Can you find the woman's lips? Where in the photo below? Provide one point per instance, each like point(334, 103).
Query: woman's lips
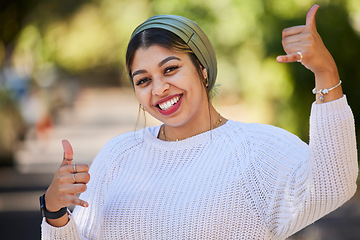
point(169, 105)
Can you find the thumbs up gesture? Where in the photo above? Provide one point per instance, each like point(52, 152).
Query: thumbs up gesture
point(69, 180)
point(304, 44)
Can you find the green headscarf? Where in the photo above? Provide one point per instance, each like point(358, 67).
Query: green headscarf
point(191, 34)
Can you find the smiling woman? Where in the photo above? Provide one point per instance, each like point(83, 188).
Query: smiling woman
point(168, 87)
point(169, 80)
point(199, 175)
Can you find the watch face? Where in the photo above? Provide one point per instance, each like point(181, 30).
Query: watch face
point(42, 201)
point(42, 206)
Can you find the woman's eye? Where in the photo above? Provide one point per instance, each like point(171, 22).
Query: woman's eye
point(142, 81)
point(170, 69)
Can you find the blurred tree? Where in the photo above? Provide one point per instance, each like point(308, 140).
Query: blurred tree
point(12, 14)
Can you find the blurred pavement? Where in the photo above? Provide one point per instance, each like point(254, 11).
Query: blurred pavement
point(97, 116)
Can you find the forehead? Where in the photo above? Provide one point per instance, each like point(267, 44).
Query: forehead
point(153, 55)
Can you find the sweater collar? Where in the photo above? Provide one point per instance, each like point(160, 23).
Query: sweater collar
point(151, 134)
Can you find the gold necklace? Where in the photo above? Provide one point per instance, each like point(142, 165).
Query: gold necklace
point(163, 133)
point(216, 124)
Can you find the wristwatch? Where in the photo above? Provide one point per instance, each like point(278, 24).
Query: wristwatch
point(51, 215)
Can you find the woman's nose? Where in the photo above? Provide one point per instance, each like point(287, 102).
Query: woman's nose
point(159, 86)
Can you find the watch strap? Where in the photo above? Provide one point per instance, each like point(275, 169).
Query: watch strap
point(50, 215)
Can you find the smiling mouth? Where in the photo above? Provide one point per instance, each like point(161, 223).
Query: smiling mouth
point(169, 104)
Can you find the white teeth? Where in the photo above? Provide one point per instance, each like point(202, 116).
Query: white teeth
point(169, 104)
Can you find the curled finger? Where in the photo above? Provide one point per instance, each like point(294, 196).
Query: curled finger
point(82, 177)
point(73, 189)
point(293, 31)
point(76, 168)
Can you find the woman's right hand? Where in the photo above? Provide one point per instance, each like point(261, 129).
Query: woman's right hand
point(69, 180)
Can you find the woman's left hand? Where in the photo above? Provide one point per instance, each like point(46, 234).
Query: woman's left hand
point(306, 39)
point(313, 53)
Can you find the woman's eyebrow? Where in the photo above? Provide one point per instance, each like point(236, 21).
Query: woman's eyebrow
point(138, 72)
point(160, 64)
point(168, 59)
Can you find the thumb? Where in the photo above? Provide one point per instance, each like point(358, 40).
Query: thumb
point(311, 16)
point(68, 153)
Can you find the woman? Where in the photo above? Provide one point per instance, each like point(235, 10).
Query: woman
point(199, 175)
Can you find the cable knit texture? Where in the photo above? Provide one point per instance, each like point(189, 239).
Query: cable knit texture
point(238, 181)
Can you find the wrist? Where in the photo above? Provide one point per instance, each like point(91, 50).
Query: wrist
point(326, 79)
point(49, 205)
point(51, 214)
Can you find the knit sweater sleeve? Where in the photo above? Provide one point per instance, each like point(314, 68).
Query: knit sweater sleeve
point(85, 223)
point(300, 183)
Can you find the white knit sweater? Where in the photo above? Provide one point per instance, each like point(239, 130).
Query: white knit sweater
point(238, 181)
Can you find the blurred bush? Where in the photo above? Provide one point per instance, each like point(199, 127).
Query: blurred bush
point(12, 128)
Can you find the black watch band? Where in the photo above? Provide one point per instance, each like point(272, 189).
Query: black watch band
point(51, 215)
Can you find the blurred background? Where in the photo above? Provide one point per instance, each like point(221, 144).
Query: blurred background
point(62, 76)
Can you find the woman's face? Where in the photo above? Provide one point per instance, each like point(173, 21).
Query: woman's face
point(168, 86)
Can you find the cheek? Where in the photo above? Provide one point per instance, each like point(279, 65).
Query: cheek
point(194, 83)
point(143, 97)
point(188, 80)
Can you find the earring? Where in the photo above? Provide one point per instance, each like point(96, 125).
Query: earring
point(141, 107)
point(206, 82)
point(205, 75)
